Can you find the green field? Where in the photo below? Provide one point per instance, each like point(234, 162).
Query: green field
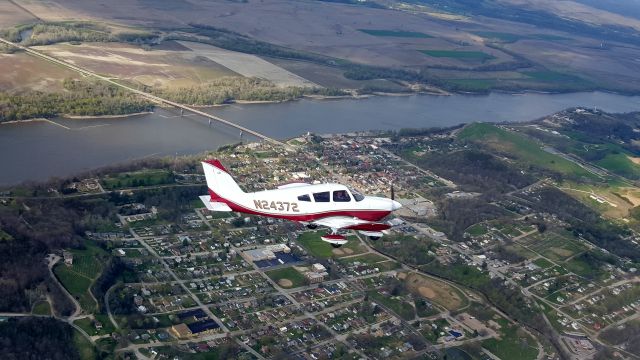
point(553, 245)
point(396, 33)
point(543, 263)
point(77, 279)
point(519, 146)
point(473, 84)
point(86, 324)
point(41, 308)
point(459, 54)
point(137, 179)
point(290, 273)
point(311, 241)
point(402, 308)
point(372, 259)
point(83, 345)
point(620, 164)
point(514, 343)
point(554, 76)
point(77, 285)
point(476, 230)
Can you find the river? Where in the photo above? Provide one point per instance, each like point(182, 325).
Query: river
point(39, 150)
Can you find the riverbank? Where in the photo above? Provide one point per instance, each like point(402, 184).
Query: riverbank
point(93, 117)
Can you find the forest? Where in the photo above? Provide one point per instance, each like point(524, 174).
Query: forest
point(229, 89)
point(31, 337)
point(81, 98)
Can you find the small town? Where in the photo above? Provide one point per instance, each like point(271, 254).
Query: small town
point(252, 287)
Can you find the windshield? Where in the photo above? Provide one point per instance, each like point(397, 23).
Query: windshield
point(356, 195)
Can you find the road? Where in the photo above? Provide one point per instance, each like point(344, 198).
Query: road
point(148, 96)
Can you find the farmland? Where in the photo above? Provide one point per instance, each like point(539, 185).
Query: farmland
point(459, 54)
point(396, 33)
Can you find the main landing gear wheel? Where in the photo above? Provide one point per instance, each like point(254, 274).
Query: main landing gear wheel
point(374, 238)
point(312, 226)
point(336, 246)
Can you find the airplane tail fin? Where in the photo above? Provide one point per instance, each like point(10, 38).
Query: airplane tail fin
point(221, 185)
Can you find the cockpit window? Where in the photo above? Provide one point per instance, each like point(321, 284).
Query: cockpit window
point(304, 197)
point(357, 195)
point(341, 196)
point(322, 196)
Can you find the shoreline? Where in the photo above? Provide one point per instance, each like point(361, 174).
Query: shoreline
point(94, 117)
point(307, 97)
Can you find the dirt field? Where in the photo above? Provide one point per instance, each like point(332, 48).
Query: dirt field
point(436, 291)
point(11, 15)
point(285, 283)
point(165, 68)
point(23, 72)
point(248, 65)
point(635, 160)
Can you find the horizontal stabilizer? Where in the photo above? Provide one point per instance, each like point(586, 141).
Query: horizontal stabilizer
point(334, 239)
point(212, 205)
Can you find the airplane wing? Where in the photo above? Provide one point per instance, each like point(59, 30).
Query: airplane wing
point(350, 223)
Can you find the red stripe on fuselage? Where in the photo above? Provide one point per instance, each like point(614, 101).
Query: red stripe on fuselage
point(369, 215)
point(370, 227)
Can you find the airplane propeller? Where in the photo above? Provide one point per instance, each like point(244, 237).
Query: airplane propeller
point(393, 193)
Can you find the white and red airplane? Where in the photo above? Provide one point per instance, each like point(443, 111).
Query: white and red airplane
point(331, 205)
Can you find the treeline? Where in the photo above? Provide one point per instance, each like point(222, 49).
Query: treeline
point(73, 31)
point(229, 89)
point(237, 42)
point(36, 338)
point(456, 215)
point(584, 222)
point(475, 170)
point(82, 98)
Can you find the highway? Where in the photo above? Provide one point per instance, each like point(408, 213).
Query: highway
point(153, 98)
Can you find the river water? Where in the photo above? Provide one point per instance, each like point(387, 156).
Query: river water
point(39, 150)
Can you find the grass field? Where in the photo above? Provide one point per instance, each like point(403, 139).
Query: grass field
point(543, 263)
point(473, 84)
point(396, 33)
point(458, 54)
point(620, 164)
point(514, 343)
point(41, 308)
point(86, 324)
point(77, 279)
point(553, 245)
point(476, 230)
point(137, 179)
point(289, 273)
point(554, 76)
point(519, 146)
point(372, 259)
point(437, 291)
point(84, 347)
point(311, 241)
